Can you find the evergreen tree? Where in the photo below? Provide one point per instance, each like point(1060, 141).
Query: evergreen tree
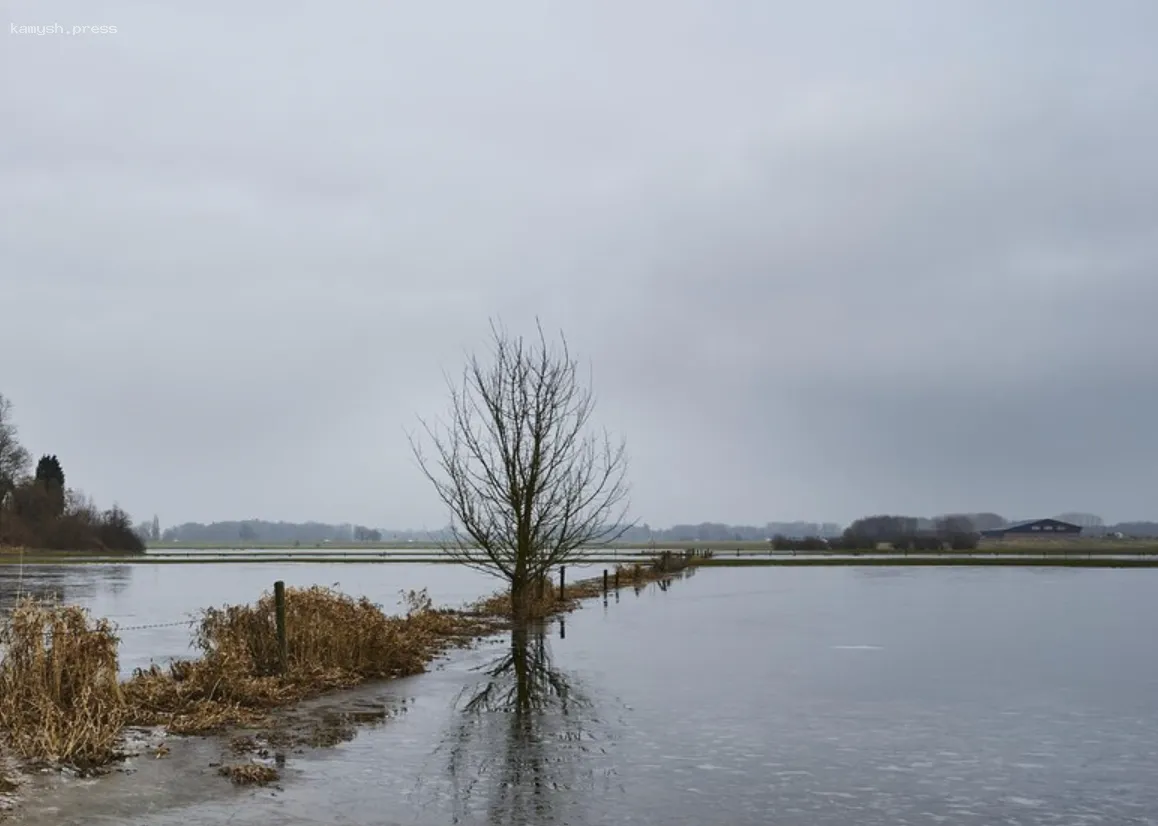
point(50, 475)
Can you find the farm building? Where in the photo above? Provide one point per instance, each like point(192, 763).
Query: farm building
point(1034, 527)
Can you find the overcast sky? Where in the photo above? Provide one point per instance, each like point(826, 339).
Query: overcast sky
point(824, 259)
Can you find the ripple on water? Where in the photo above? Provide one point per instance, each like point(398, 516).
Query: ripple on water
point(955, 714)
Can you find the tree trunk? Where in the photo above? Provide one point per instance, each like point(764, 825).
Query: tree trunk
point(522, 600)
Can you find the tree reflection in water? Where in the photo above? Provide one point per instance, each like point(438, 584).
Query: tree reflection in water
point(523, 749)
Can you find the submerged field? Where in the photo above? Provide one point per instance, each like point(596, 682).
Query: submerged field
point(1083, 544)
point(64, 705)
point(1070, 552)
point(818, 696)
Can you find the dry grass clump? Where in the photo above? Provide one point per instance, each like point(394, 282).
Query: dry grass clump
point(547, 602)
point(250, 774)
point(334, 641)
point(331, 638)
point(60, 700)
point(498, 605)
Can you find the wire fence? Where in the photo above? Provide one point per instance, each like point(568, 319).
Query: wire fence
point(188, 622)
point(177, 624)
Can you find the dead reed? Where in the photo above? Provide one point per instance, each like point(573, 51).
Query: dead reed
point(334, 641)
point(61, 702)
point(59, 697)
point(548, 603)
point(250, 774)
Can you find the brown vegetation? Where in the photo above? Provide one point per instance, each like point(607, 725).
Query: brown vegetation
point(250, 773)
point(61, 702)
point(334, 642)
point(548, 602)
point(59, 696)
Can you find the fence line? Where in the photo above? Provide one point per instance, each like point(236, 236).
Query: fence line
point(119, 628)
point(279, 593)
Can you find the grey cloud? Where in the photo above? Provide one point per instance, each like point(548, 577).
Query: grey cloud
point(824, 261)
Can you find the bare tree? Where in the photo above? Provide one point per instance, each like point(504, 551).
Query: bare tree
point(14, 459)
point(953, 524)
point(527, 484)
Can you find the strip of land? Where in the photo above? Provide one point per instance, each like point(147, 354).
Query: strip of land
point(1073, 553)
point(1051, 560)
point(76, 713)
point(58, 558)
point(1013, 545)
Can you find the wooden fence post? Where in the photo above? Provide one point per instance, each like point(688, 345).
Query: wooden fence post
point(279, 611)
point(604, 582)
point(562, 582)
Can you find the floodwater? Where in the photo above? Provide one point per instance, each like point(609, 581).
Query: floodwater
point(155, 605)
point(823, 696)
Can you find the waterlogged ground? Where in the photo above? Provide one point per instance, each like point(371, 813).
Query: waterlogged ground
point(155, 604)
point(832, 696)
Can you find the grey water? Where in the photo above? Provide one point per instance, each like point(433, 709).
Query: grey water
point(156, 604)
point(837, 696)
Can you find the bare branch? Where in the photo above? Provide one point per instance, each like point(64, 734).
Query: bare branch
point(14, 459)
point(527, 484)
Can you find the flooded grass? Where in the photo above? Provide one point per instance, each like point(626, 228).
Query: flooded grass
point(61, 702)
point(549, 602)
point(334, 642)
point(250, 774)
point(1051, 560)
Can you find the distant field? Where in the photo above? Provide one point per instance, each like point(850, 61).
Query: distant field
point(1020, 546)
point(64, 558)
point(399, 546)
point(1091, 553)
point(1075, 545)
point(279, 546)
point(1063, 551)
point(1049, 560)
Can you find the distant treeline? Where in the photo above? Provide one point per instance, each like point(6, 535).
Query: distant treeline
point(902, 533)
point(958, 532)
point(38, 511)
point(258, 530)
point(722, 532)
point(906, 533)
point(912, 531)
point(1139, 529)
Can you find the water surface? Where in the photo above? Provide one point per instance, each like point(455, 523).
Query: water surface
point(828, 696)
point(169, 596)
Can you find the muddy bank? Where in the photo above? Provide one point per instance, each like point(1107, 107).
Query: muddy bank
point(162, 773)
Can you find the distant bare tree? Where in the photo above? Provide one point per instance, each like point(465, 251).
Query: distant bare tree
point(987, 521)
point(953, 524)
point(527, 485)
point(1092, 524)
point(14, 459)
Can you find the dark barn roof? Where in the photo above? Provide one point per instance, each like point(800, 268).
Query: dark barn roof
point(1036, 526)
